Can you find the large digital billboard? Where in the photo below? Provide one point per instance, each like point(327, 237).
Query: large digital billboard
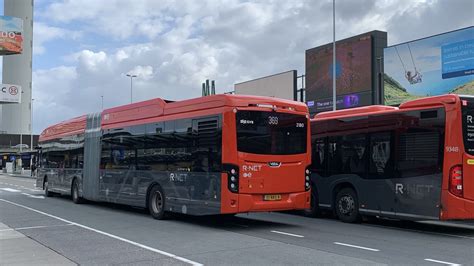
point(436, 65)
point(282, 85)
point(11, 35)
point(355, 68)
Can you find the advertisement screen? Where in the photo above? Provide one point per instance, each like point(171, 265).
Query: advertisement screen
point(432, 66)
point(353, 74)
point(11, 35)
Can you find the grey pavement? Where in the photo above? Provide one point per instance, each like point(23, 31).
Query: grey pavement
point(247, 239)
point(18, 249)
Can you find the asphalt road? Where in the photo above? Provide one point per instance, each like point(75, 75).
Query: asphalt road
point(98, 233)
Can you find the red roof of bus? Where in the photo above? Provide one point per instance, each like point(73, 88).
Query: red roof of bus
point(69, 127)
point(377, 109)
point(159, 107)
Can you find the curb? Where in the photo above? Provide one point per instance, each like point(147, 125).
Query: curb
point(20, 176)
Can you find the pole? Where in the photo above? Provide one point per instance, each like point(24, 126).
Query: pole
point(131, 76)
point(334, 55)
point(31, 125)
point(131, 89)
point(102, 102)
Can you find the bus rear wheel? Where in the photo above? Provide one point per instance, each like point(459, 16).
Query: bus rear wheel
point(75, 193)
point(156, 203)
point(47, 193)
point(347, 206)
point(313, 210)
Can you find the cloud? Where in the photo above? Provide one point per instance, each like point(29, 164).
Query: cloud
point(175, 45)
point(43, 33)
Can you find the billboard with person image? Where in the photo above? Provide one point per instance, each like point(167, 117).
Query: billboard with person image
point(436, 65)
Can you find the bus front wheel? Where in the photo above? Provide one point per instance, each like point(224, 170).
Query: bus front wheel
point(156, 203)
point(347, 206)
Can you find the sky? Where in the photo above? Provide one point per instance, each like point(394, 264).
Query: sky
point(82, 50)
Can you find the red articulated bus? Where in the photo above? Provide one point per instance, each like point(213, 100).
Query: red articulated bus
point(220, 154)
point(413, 162)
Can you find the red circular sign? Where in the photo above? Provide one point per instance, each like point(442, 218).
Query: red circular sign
point(13, 90)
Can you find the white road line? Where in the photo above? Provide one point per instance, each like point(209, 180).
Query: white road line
point(109, 235)
point(284, 233)
point(10, 189)
point(34, 227)
point(33, 196)
point(421, 231)
point(443, 262)
point(354, 246)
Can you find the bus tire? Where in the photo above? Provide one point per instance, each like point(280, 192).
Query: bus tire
point(347, 206)
point(156, 203)
point(314, 210)
point(75, 192)
point(47, 193)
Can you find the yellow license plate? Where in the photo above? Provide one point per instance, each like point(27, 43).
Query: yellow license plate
point(272, 197)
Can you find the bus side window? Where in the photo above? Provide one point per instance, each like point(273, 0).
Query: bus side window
point(381, 155)
point(319, 156)
point(334, 155)
point(355, 152)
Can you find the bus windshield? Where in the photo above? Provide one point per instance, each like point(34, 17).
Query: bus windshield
point(468, 123)
point(271, 133)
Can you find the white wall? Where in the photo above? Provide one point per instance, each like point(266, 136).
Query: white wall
point(280, 85)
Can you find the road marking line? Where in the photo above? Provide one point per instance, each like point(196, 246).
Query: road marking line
point(354, 246)
point(421, 231)
point(33, 196)
point(443, 262)
point(10, 189)
point(34, 227)
point(109, 235)
point(284, 233)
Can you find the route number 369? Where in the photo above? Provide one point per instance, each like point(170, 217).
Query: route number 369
point(273, 120)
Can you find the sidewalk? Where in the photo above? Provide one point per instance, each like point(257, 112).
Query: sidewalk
point(17, 175)
point(17, 249)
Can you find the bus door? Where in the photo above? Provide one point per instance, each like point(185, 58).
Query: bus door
point(467, 108)
point(419, 148)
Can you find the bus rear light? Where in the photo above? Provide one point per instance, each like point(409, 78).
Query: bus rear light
point(307, 183)
point(232, 172)
point(455, 180)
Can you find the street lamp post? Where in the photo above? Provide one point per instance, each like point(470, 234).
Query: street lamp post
point(334, 106)
point(131, 76)
point(31, 125)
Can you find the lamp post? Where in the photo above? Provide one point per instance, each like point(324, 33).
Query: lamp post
point(334, 106)
point(131, 76)
point(31, 125)
point(102, 102)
